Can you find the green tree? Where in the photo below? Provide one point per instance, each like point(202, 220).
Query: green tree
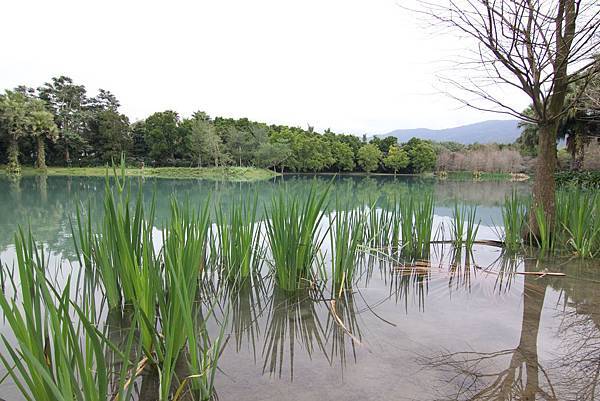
point(369, 157)
point(421, 154)
point(396, 159)
point(110, 135)
point(272, 155)
point(312, 152)
point(385, 143)
point(14, 123)
point(42, 127)
point(162, 135)
point(343, 156)
point(204, 143)
point(68, 103)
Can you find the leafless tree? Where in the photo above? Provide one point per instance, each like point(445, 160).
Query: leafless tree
point(539, 47)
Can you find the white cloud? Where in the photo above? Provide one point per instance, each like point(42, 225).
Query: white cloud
point(355, 66)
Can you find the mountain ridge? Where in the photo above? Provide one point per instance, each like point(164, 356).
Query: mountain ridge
point(489, 131)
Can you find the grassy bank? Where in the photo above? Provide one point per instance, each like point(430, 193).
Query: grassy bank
point(209, 173)
point(482, 176)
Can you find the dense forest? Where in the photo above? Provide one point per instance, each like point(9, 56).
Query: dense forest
point(61, 124)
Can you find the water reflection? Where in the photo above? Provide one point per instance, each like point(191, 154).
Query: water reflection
point(48, 203)
point(293, 323)
point(519, 373)
point(480, 329)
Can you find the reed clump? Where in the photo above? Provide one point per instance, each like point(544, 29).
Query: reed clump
point(464, 227)
point(58, 353)
point(294, 237)
point(346, 235)
point(239, 241)
point(574, 230)
point(416, 226)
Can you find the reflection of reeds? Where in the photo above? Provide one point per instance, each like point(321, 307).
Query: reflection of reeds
point(460, 270)
point(292, 319)
point(246, 304)
point(413, 280)
point(342, 327)
point(507, 265)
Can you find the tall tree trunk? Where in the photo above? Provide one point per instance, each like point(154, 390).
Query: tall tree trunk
point(41, 153)
point(544, 185)
point(13, 157)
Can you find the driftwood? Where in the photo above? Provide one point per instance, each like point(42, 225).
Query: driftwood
point(489, 242)
point(541, 274)
point(420, 267)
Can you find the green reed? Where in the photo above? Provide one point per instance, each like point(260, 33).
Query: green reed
point(59, 354)
point(239, 240)
point(514, 218)
point(345, 234)
point(463, 227)
point(457, 225)
point(122, 252)
point(378, 230)
point(416, 226)
point(184, 250)
point(578, 221)
point(294, 237)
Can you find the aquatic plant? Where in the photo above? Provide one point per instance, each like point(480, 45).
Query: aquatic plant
point(294, 237)
point(379, 225)
point(514, 218)
point(457, 225)
point(578, 219)
point(346, 234)
point(184, 249)
point(239, 244)
point(416, 226)
point(544, 240)
point(59, 354)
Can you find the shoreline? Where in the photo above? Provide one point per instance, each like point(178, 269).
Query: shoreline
point(233, 173)
point(208, 173)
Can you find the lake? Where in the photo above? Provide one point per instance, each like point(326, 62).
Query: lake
point(464, 328)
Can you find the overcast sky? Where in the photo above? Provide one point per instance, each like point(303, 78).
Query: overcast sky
point(355, 66)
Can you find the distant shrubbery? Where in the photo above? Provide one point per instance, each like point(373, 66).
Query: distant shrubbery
point(483, 158)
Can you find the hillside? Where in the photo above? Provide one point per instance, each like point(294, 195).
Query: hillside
point(498, 131)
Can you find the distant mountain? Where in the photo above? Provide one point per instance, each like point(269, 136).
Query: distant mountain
point(498, 131)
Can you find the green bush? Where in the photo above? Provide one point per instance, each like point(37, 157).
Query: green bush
point(581, 179)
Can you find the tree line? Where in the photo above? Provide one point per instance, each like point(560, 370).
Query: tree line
point(60, 124)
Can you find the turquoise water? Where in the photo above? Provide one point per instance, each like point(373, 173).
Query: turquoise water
point(463, 329)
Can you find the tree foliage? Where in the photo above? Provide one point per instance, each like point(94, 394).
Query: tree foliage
point(369, 157)
point(72, 127)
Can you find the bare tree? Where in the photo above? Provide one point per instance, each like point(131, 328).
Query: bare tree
point(539, 47)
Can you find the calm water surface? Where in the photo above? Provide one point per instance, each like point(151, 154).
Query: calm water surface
point(463, 330)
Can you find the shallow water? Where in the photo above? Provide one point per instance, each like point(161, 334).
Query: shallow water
point(463, 330)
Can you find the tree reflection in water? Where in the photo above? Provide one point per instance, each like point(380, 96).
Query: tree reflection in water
point(518, 373)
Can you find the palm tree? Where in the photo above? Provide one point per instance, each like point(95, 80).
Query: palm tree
point(14, 123)
point(42, 126)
